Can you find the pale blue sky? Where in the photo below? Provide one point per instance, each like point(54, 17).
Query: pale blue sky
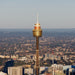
point(22, 13)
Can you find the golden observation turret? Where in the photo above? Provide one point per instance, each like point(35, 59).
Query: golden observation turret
point(37, 31)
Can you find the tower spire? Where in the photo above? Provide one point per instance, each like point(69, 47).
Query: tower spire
point(37, 18)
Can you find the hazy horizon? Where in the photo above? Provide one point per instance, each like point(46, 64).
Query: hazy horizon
point(46, 30)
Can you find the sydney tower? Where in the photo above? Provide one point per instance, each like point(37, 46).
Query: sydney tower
point(37, 32)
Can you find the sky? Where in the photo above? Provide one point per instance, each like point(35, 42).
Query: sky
point(21, 14)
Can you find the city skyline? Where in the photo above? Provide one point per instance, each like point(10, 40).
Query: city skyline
point(22, 14)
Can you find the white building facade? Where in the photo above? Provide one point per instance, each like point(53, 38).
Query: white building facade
point(15, 71)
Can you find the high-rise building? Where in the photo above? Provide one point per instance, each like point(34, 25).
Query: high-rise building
point(70, 71)
point(9, 63)
point(15, 70)
point(29, 71)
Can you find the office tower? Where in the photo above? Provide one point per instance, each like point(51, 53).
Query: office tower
point(29, 71)
point(9, 63)
point(70, 71)
point(15, 70)
point(37, 32)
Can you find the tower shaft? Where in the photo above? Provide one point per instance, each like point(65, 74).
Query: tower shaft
point(37, 55)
